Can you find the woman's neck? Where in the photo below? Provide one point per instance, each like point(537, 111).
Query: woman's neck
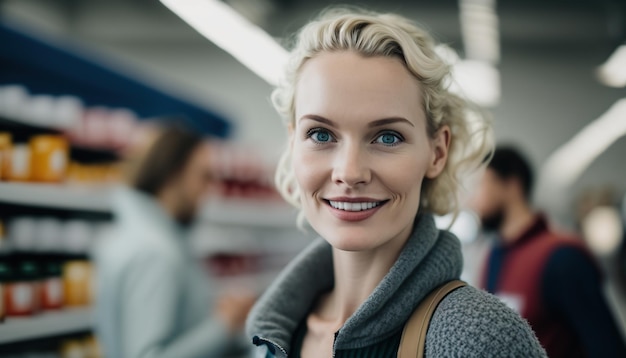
point(357, 274)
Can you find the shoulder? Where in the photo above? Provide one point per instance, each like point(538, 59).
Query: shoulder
point(568, 269)
point(570, 256)
point(471, 322)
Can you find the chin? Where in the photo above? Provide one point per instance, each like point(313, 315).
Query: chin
point(353, 238)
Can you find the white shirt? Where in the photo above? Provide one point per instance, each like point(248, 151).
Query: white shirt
point(152, 297)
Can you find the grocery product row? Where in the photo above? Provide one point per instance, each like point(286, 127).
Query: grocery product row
point(47, 158)
point(35, 284)
point(95, 127)
point(49, 234)
point(66, 127)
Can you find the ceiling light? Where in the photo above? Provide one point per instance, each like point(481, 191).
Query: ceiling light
point(480, 30)
point(602, 229)
point(613, 72)
point(477, 81)
point(568, 162)
point(255, 49)
point(248, 43)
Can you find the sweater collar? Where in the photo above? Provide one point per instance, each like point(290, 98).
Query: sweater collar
point(429, 258)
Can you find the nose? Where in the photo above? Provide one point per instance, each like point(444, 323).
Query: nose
point(351, 166)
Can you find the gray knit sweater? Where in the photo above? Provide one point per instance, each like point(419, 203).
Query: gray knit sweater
point(467, 323)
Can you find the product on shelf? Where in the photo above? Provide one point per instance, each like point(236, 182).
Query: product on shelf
point(5, 147)
point(5, 278)
point(46, 263)
point(67, 112)
point(2, 234)
point(77, 276)
point(52, 295)
point(49, 158)
point(49, 235)
point(21, 298)
point(46, 138)
point(72, 348)
point(22, 233)
point(19, 162)
point(39, 109)
point(92, 347)
point(242, 173)
point(59, 112)
point(93, 173)
point(13, 98)
point(80, 347)
point(104, 128)
point(78, 235)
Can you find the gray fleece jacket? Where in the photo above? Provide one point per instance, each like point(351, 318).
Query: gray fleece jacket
point(467, 323)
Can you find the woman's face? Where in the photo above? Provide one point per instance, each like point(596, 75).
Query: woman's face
point(360, 149)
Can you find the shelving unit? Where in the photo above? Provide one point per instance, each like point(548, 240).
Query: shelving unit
point(46, 325)
point(23, 129)
point(57, 196)
point(20, 126)
point(46, 65)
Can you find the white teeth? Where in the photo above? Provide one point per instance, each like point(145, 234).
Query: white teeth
point(342, 205)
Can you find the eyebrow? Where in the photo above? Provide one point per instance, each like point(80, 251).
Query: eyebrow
point(376, 123)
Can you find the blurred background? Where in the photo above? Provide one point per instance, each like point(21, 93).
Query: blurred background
point(83, 81)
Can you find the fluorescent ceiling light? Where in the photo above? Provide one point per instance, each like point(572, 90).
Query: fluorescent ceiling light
point(613, 72)
point(477, 81)
point(248, 43)
point(602, 229)
point(568, 162)
point(480, 30)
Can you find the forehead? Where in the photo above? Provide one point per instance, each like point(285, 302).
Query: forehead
point(345, 85)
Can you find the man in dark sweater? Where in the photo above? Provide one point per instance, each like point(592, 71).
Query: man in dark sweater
point(549, 278)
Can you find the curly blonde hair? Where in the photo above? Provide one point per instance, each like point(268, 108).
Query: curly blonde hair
point(373, 34)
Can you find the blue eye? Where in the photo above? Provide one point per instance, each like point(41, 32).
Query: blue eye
point(389, 139)
point(320, 135)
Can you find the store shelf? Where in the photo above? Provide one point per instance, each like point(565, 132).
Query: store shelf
point(22, 130)
point(90, 155)
point(56, 196)
point(249, 212)
point(46, 65)
point(46, 325)
point(19, 126)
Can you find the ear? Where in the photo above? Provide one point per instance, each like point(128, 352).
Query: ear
point(440, 147)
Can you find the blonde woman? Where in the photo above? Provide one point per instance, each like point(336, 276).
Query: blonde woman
point(377, 144)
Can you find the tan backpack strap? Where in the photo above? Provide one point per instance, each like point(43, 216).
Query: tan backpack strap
point(413, 341)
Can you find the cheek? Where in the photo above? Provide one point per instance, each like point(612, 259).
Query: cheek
point(487, 199)
point(403, 175)
point(310, 169)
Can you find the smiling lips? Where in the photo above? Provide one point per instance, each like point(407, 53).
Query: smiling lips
point(347, 206)
point(354, 209)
